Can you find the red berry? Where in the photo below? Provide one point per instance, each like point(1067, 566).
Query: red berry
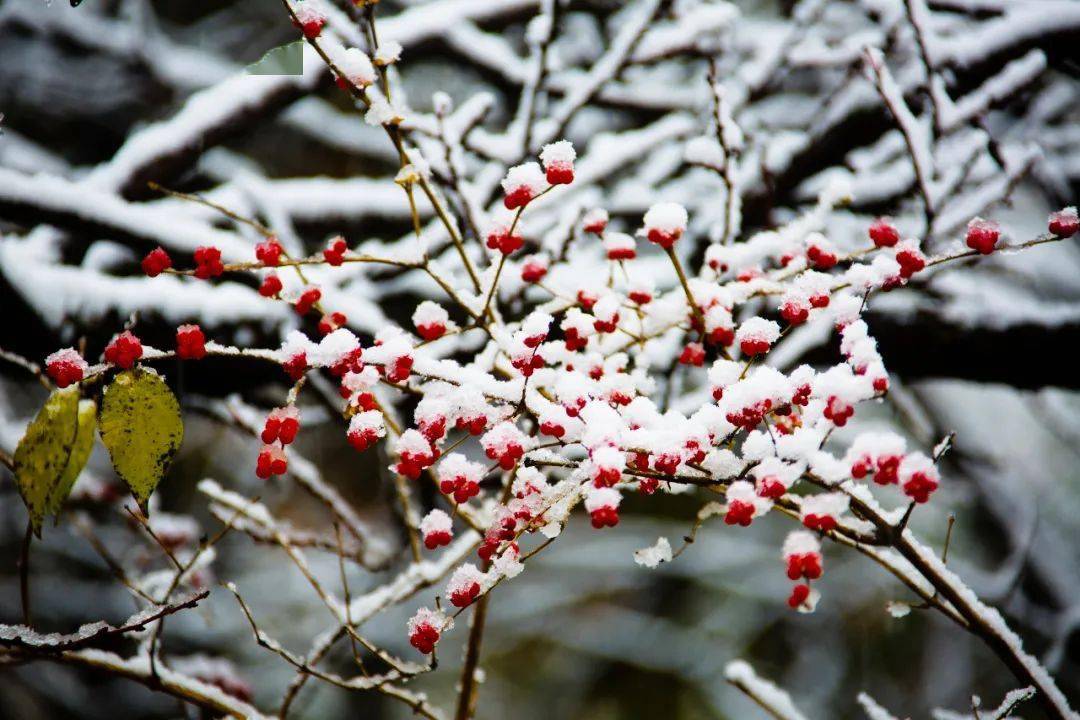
point(269, 252)
point(334, 254)
point(884, 233)
point(799, 594)
point(156, 262)
point(65, 367)
point(307, 300)
point(1064, 223)
point(693, 354)
point(271, 286)
point(124, 350)
point(982, 235)
point(533, 272)
point(190, 342)
point(331, 322)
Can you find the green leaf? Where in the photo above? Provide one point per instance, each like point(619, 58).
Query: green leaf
point(140, 425)
point(287, 59)
point(44, 452)
point(80, 453)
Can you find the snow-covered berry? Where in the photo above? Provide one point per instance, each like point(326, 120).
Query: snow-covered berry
point(822, 512)
point(665, 223)
point(521, 184)
point(334, 252)
point(595, 221)
point(602, 504)
point(272, 461)
point(505, 444)
point(620, 246)
point(424, 628)
point(802, 555)
point(310, 18)
point(918, 477)
point(982, 235)
point(744, 504)
point(431, 320)
point(66, 367)
point(558, 160)
point(464, 585)
point(756, 336)
point(365, 429)
point(460, 477)
point(534, 269)
point(414, 452)
point(437, 529)
point(1064, 223)
point(355, 67)
point(281, 425)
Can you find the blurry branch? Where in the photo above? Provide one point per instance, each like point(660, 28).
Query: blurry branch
point(771, 698)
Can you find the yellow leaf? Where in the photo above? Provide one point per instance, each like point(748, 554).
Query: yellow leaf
point(80, 453)
point(141, 427)
point(44, 451)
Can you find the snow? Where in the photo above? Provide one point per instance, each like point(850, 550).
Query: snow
point(653, 555)
point(779, 703)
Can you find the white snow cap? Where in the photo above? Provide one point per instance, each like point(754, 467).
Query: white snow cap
point(333, 348)
point(744, 491)
point(68, 355)
point(758, 328)
point(436, 521)
point(827, 504)
point(427, 616)
point(367, 420)
point(558, 153)
point(801, 542)
point(388, 52)
point(456, 465)
point(528, 175)
point(597, 498)
point(430, 313)
point(667, 217)
point(652, 556)
point(356, 66)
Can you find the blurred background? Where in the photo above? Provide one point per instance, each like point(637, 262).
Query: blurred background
point(987, 352)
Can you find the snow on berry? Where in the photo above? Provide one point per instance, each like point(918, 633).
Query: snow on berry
point(773, 477)
point(414, 453)
point(664, 223)
point(795, 306)
point(460, 477)
point(692, 354)
point(388, 53)
point(437, 529)
point(156, 262)
point(281, 425)
point(310, 17)
point(620, 246)
point(641, 290)
point(431, 320)
point(578, 328)
point(355, 67)
point(802, 555)
point(521, 184)
point(534, 268)
point(395, 356)
point(602, 504)
point(595, 221)
point(719, 326)
point(803, 598)
point(502, 235)
point(606, 313)
point(190, 342)
point(822, 512)
point(365, 429)
point(124, 350)
point(425, 627)
point(756, 336)
point(606, 465)
point(918, 477)
point(1063, 224)
point(876, 454)
point(464, 585)
point(272, 461)
point(820, 252)
point(558, 160)
point(66, 367)
point(982, 235)
point(744, 504)
point(504, 443)
point(910, 258)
